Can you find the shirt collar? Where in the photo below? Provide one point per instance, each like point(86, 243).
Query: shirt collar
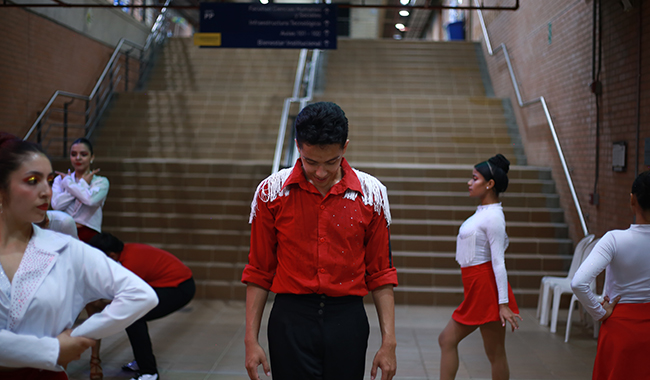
point(349, 180)
point(48, 241)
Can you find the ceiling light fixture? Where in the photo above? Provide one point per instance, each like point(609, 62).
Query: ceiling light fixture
point(400, 27)
point(404, 13)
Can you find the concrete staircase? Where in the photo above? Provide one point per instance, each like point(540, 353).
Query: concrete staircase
point(419, 121)
point(184, 158)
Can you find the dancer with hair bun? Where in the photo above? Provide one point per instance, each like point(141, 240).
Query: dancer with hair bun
point(82, 193)
point(480, 248)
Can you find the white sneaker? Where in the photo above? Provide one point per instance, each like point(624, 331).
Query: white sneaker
point(146, 377)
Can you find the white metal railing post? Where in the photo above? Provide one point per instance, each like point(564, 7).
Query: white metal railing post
point(311, 75)
point(549, 120)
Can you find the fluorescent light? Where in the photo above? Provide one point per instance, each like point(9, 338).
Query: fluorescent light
point(404, 13)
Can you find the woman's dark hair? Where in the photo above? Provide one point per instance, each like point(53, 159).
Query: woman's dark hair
point(495, 168)
point(12, 152)
point(83, 140)
point(322, 123)
point(107, 243)
point(641, 189)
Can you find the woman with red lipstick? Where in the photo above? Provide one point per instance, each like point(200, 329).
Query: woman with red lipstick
point(46, 278)
point(81, 194)
point(480, 248)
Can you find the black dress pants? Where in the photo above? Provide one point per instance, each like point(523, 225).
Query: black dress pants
point(315, 337)
point(169, 300)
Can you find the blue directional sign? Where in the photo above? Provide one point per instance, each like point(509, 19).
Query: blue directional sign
point(283, 26)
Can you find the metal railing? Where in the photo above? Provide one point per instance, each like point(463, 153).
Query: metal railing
point(303, 89)
point(67, 116)
point(542, 101)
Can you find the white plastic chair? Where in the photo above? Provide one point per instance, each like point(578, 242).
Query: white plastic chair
point(574, 300)
point(548, 282)
point(564, 287)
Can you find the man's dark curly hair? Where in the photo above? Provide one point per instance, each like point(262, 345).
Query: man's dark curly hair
point(322, 123)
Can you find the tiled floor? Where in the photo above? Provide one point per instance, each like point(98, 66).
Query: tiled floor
point(205, 341)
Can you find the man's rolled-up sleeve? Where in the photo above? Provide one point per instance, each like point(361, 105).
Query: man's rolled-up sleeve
point(262, 259)
point(379, 260)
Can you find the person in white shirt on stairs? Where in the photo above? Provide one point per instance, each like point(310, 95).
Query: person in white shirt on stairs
point(82, 193)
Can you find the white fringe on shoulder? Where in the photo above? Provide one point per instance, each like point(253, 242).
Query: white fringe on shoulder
point(374, 193)
point(269, 189)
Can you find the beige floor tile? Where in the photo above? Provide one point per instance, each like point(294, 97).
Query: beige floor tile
point(204, 341)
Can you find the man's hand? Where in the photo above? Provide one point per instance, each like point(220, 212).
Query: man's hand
point(386, 360)
point(254, 357)
point(609, 306)
point(71, 348)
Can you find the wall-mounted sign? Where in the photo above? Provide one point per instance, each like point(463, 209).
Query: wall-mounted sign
point(618, 156)
point(281, 26)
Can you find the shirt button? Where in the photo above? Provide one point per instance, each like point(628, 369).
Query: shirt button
point(322, 240)
point(322, 207)
point(322, 304)
point(320, 312)
point(321, 270)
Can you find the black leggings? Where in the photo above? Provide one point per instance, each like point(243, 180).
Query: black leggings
point(169, 300)
point(315, 337)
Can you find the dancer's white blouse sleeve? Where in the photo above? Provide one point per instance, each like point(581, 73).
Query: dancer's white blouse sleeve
point(495, 230)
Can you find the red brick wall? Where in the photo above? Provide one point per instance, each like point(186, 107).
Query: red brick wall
point(561, 72)
point(38, 58)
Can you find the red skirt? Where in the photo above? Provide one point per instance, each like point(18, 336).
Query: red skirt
point(481, 303)
point(623, 342)
point(32, 374)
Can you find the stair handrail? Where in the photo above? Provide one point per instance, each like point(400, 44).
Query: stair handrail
point(307, 80)
point(541, 100)
point(156, 36)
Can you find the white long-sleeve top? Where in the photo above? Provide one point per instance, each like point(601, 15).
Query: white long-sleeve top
point(625, 255)
point(482, 238)
point(56, 278)
point(81, 200)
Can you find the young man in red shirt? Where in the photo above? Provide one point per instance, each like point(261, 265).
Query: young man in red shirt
point(170, 279)
point(320, 241)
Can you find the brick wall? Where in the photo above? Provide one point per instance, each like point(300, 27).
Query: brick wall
point(38, 58)
point(560, 69)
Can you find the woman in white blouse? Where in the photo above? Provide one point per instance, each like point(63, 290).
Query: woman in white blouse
point(46, 278)
point(625, 332)
point(82, 193)
point(480, 249)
